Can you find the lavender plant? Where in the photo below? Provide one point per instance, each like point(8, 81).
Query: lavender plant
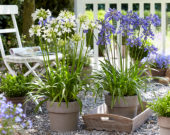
point(11, 116)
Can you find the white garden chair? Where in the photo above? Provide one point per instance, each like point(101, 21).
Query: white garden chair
point(38, 60)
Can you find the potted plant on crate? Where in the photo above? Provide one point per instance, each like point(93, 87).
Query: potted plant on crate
point(124, 82)
point(161, 107)
point(62, 82)
point(15, 88)
point(159, 64)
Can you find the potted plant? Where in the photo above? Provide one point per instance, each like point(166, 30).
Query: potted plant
point(12, 115)
point(158, 63)
point(124, 82)
point(161, 107)
point(15, 88)
point(62, 83)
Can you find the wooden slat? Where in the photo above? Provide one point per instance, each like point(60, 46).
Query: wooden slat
point(7, 31)
point(153, 12)
point(8, 9)
point(96, 49)
point(163, 25)
point(130, 6)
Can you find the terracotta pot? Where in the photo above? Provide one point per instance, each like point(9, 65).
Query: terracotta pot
point(126, 106)
point(16, 100)
point(123, 48)
point(159, 72)
point(63, 118)
point(164, 124)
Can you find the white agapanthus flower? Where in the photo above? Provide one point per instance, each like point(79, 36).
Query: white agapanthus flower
point(41, 14)
point(35, 30)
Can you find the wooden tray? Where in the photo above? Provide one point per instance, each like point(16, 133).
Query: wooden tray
point(98, 119)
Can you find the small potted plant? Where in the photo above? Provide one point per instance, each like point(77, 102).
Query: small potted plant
point(62, 83)
point(158, 63)
point(15, 88)
point(123, 83)
point(11, 116)
point(161, 108)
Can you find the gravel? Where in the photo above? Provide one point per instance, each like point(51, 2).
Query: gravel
point(41, 125)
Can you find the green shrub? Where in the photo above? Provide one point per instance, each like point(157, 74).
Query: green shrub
point(15, 86)
point(161, 106)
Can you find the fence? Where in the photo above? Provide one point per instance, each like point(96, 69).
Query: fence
point(80, 7)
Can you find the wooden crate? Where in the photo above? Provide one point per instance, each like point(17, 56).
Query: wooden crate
point(98, 119)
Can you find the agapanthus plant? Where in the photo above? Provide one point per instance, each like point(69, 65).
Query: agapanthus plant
point(11, 116)
point(125, 79)
point(137, 30)
point(64, 34)
point(158, 61)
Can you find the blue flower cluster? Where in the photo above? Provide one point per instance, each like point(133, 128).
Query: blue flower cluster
point(158, 61)
point(11, 115)
point(136, 29)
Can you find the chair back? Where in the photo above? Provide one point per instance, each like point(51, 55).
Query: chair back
point(11, 10)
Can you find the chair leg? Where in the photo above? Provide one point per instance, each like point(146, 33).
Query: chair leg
point(12, 72)
point(31, 69)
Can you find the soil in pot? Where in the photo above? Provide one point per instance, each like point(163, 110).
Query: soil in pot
point(63, 117)
point(126, 106)
point(164, 124)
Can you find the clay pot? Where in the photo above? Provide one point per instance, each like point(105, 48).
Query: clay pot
point(123, 49)
point(164, 124)
point(168, 73)
point(17, 100)
point(63, 117)
point(126, 106)
point(159, 72)
point(164, 80)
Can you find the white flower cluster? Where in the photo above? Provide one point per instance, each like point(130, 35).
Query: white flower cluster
point(41, 14)
point(64, 25)
point(86, 23)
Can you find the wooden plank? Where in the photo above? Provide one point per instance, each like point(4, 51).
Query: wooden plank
point(7, 31)
point(141, 118)
point(8, 9)
point(109, 122)
point(95, 46)
point(163, 25)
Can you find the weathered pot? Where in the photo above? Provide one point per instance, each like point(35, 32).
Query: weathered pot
point(159, 72)
point(123, 49)
point(17, 100)
point(164, 124)
point(63, 117)
point(126, 106)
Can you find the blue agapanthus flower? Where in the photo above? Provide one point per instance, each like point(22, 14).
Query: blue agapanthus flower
point(136, 29)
